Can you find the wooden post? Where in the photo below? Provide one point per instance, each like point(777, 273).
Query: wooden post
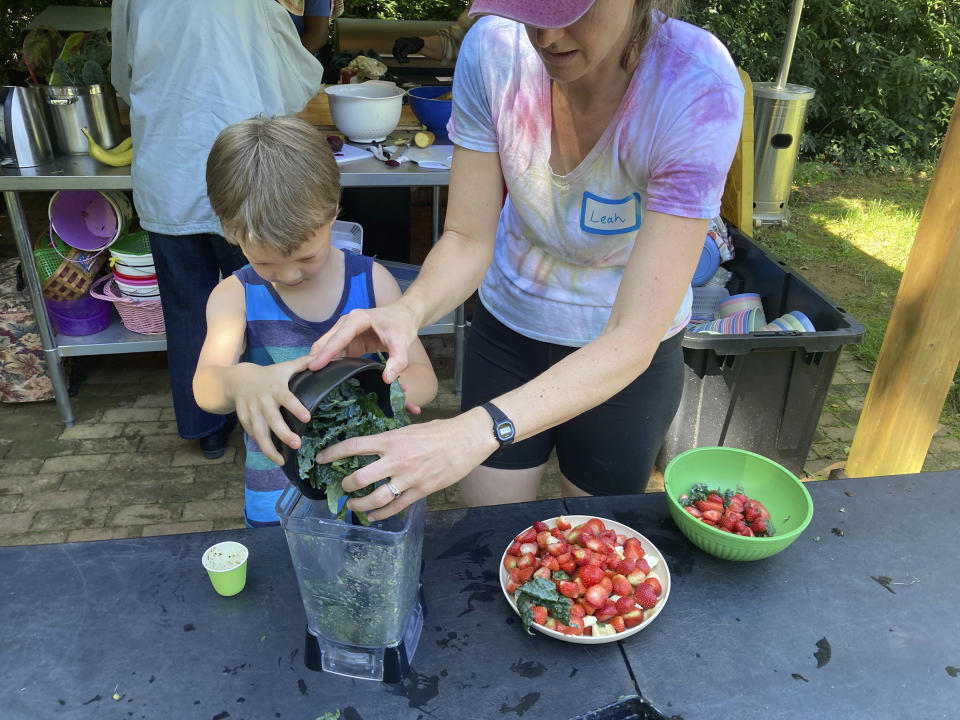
point(922, 345)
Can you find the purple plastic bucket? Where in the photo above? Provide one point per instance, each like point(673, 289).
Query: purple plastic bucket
point(85, 316)
point(89, 219)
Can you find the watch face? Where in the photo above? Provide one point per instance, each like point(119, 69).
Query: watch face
point(505, 431)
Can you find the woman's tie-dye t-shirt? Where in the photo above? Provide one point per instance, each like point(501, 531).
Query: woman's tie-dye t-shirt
point(563, 240)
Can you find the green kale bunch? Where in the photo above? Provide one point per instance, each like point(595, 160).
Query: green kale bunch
point(346, 411)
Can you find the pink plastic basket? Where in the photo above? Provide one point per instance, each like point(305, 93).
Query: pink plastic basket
point(139, 316)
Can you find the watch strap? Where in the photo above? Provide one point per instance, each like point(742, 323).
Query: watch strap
point(503, 429)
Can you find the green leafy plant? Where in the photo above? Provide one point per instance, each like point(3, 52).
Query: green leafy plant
point(347, 411)
point(543, 592)
point(85, 61)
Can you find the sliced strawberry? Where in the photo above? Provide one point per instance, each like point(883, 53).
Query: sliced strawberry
point(596, 524)
point(596, 596)
point(511, 587)
point(620, 585)
point(625, 604)
point(550, 624)
point(626, 566)
point(705, 505)
point(632, 618)
point(540, 526)
point(655, 584)
point(759, 525)
point(576, 623)
point(636, 577)
point(618, 623)
point(712, 497)
point(621, 539)
point(542, 572)
point(524, 574)
point(528, 535)
point(526, 560)
point(539, 614)
point(712, 516)
point(551, 563)
point(529, 547)
point(607, 584)
point(581, 555)
point(563, 523)
point(577, 610)
point(569, 589)
point(633, 549)
point(544, 538)
point(645, 596)
point(643, 565)
point(608, 610)
point(694, 511)
point(746, 532)
point(590, 574)
point(568, 566)
point(609, 537)
point(509, 562)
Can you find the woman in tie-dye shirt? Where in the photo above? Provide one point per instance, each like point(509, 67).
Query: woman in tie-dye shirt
point(613, 129)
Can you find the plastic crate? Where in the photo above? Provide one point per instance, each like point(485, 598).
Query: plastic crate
point(762, 391)
point(628, 708)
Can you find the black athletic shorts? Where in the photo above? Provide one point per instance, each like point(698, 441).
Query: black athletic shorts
point(608, 450)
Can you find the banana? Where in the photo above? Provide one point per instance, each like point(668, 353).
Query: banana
point(118, 156)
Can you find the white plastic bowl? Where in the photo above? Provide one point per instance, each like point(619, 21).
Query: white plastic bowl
point(365, 112)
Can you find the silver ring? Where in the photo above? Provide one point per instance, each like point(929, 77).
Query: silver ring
point(393, 489)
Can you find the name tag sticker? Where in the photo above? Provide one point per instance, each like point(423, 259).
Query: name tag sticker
point(602, 216)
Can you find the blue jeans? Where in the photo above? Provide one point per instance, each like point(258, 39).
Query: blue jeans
point(188, 268)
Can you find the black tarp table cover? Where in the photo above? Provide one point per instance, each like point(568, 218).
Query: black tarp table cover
point(856, 619)
point(82, 621)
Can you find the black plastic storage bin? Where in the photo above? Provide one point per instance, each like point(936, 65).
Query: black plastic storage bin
point(761, 391)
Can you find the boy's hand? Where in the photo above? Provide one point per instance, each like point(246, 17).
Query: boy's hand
point(258, 393)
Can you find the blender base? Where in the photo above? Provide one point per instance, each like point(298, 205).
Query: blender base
point(388, 664)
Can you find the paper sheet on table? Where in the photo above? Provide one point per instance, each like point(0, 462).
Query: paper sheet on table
point(350, 152)
point(437, 157)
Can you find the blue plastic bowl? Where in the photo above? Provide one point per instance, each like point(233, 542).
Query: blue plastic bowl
point(428, 110)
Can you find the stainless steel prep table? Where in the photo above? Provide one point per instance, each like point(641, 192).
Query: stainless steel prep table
point(84, 173)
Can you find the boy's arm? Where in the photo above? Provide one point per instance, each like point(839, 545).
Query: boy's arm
point(418, 379)
point(222, 384)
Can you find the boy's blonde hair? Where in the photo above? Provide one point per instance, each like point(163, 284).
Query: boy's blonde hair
point(273, 182)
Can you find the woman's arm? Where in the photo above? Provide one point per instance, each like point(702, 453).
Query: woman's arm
point(421, 459)
point(418, 380)
point(450, 274)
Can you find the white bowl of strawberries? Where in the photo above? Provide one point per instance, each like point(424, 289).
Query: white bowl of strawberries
point(584, 579)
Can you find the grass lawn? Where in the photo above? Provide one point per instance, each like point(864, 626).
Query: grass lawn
point(850, 234)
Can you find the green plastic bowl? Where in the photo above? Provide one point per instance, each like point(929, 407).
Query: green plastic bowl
point(762, 479)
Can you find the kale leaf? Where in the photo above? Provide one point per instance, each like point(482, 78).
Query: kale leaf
point(541, 591)
point(346, 411)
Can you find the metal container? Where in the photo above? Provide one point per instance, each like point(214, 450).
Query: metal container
point(93, 107)
point(778, 117)
point(24, 127)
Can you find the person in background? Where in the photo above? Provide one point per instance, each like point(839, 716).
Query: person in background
point(313, 22)
point(613, 127)
point(176, 113)
point(444, 46)
point(275, 186)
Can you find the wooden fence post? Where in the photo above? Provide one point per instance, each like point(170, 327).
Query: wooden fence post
point(921, 347)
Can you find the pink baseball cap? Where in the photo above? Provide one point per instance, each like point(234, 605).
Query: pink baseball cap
point(539, 13)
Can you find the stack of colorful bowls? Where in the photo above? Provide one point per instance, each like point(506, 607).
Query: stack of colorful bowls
point(793, 321)
point(133, 268)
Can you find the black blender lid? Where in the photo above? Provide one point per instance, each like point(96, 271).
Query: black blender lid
point(310, 388)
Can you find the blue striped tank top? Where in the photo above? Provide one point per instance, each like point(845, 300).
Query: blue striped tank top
point(276, 334)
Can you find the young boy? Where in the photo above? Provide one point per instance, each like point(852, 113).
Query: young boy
point(274, 185)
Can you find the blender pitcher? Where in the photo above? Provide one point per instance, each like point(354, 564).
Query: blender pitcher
point(359, 585)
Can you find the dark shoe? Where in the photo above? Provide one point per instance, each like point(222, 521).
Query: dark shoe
point(215, 444)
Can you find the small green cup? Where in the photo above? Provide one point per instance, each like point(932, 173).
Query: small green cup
point(226, 564)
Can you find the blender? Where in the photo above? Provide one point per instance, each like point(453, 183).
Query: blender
point(360, 584)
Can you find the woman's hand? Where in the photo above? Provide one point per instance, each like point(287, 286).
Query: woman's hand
point(419, 459)
point(258, 393)
point(391, 328)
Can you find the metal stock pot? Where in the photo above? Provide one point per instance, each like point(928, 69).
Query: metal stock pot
point(90, 106)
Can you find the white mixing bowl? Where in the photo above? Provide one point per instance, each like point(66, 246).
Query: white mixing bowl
point(365, 112)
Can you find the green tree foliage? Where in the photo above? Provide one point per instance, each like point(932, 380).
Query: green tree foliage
point(886, 72)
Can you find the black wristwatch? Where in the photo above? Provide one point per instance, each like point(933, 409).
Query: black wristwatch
point(503, 429)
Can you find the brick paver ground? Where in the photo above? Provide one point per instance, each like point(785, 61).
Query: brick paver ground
point(122, 471)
